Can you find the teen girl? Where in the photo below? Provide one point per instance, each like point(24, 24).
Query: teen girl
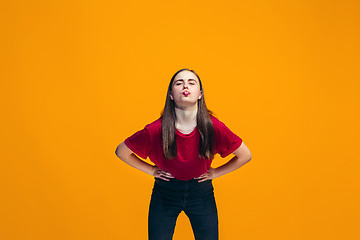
point(182, 143)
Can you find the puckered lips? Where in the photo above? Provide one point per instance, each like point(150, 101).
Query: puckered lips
point(186, 93)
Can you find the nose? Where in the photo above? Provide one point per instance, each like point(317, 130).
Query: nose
point(185, 85)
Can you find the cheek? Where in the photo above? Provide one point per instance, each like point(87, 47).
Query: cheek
point(198, 91)
point(177, 89)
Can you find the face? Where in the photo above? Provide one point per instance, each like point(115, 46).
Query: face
point(185, 89)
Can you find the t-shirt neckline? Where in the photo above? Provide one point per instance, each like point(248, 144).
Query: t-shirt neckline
point(186, 134)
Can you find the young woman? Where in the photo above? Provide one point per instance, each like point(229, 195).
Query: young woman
point(182, 143)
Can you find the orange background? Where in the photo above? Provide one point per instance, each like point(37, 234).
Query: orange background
point(78, 77)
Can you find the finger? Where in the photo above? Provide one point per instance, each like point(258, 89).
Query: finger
point(202, 175)
point(202, 180)
point(163, 178)
point(167, 174)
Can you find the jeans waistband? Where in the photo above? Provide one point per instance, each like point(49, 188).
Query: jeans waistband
point(174, 180)
point(176, 185)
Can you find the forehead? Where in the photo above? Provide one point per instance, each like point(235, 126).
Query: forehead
point(185, 75)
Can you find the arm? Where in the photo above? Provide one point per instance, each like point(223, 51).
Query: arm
point(125, 154)
point(128, 156)
point(242, 156)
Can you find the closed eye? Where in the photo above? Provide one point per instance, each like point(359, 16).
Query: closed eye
point(191, 82)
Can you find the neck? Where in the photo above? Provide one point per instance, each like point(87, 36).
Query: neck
point(186, 116)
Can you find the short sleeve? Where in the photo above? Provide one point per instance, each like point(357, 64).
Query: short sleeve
point(140, 143)
point(227, 141)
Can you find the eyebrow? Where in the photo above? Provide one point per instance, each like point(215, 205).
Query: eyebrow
point(190, 79)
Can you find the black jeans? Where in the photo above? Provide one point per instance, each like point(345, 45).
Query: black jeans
point(196, 199)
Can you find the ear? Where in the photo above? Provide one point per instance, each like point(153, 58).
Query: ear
point(200, 95)
point(171, 97)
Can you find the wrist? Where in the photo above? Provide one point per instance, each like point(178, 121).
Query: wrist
point(214, 173)
point(152, 171)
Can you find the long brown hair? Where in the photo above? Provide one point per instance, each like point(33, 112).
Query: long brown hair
point(204, 125)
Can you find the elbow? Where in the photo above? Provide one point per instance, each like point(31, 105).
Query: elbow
point(249, 157)
point(122, 151)
point(118, 152)
point(245, 159)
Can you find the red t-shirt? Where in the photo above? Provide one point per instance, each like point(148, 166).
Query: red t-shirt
point(147, 142)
